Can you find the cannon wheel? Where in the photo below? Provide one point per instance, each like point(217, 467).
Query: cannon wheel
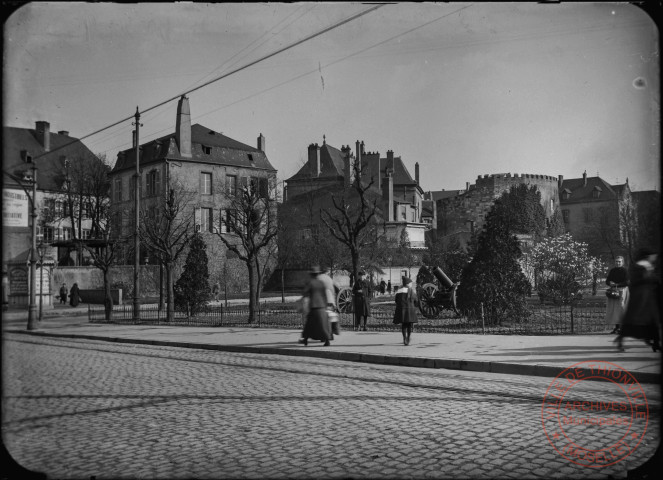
point(427, 304)
point(344, 300)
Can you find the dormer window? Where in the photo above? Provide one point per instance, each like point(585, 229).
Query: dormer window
point(566, 194)
point(596, 193)
point(251, 157)
point(207, 150)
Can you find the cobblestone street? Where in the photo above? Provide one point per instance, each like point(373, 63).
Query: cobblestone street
point(83, 408)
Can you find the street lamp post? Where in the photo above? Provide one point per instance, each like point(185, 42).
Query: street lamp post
point(40, 252)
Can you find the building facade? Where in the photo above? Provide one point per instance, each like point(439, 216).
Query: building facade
point(207, 164)
point(400, 198)
point(597, 213)
point(53, 154)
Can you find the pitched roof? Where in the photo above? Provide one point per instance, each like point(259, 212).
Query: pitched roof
point(440, 194)
point(581, 192)
point(331, 165)
point(224, 151)
point(373, 164)
point(50, 164)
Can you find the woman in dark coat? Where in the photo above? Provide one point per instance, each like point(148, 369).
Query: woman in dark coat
point(74, 295)
point(317, 324)
point(642, 317)
point(615, 307)
point(406, 309)
point(361, 292)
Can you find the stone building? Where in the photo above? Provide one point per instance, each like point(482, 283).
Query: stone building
point(206, 163)
point(461, 212)
point(593, 212)
point(50, 153)
point(401, 202)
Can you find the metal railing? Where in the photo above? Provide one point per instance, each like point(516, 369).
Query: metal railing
point(585, 318)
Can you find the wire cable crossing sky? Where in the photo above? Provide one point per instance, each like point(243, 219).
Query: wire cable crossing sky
point(463, 89)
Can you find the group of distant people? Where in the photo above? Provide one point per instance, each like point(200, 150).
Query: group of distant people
point(74, 295)
point(632, 300)
point(318, 305)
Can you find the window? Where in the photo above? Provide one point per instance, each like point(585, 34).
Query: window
point(588, 213)
point(206, 219)
point(86, 233)
point(596, 193)
point(263, 188)
point(207, 150)
point(231, 184)
point(152, 183)
point(565, 216)
point(58, 208)
point(118, 189)
point(66, 211)
point(66, 233)
point(250, 157)
point(48, 234)
point(206, 183)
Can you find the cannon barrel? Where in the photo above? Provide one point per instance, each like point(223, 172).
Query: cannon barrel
point(442, 277)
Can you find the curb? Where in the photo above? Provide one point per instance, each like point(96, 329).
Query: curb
point(416, 362)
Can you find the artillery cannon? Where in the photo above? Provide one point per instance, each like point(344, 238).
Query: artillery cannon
point(433, 299)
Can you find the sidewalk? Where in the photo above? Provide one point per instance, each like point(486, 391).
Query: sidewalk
point(523, 355)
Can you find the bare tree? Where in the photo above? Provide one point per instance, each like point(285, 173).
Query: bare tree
point(249, 229)
point(104, 256)
point(351, 220)
point(165, 230)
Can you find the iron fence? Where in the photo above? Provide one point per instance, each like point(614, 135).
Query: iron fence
point(587, 317)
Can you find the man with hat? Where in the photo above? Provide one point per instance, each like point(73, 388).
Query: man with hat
point(361, 293)
point(317, 324)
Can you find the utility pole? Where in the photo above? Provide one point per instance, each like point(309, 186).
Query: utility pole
point(32, 308)
point(136, 309)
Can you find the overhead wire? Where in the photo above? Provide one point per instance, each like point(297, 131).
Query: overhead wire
point(232, 72)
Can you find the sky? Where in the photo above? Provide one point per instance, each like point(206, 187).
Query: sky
point(464, 89)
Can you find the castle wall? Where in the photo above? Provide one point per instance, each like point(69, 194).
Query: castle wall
point(458, 213)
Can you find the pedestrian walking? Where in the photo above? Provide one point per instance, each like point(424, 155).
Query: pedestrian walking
point(74, 295)
point(617, 294)
point(317, 325)
point(361, 293)
point(406, 309)
point(642, 319)
point(216, 289)
point(63, 294)
point(389, 287)
point(330, 290)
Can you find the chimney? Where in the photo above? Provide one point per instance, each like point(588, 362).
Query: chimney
point(467, 186)
point(390, 194)
point(584, 178)
point(44, 134)
point(416, 172)
point(560, 181)
point(64, 133)
point(359, 148)
point(261, 143)
point(347, 165)
point(183, 127)
point(314, 159)
point(390, 159)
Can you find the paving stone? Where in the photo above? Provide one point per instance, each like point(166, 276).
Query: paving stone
point(77, 408)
